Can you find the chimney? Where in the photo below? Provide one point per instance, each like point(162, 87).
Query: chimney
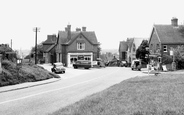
point(78, 29)
point(174, 22)
point(68, 31)
point(83, 29)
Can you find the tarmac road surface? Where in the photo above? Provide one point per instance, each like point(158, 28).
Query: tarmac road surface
point(44, 99)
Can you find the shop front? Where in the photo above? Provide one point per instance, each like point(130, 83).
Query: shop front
point(73, 57)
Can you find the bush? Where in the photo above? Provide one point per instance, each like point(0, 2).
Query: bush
point(167, 59)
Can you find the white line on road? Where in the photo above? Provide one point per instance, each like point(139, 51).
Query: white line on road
point(55, 89)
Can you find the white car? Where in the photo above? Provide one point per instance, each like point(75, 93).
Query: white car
point(58, 68)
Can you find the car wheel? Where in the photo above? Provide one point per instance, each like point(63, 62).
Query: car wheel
point(75, 67)
point(86, 68)
point(63, 71)
point(52, 70)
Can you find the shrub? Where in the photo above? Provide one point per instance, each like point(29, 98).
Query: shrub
point(13, 74)
point(167, 59)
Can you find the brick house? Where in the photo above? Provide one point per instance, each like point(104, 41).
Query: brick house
point(70, 46)
point(163, 38)
point(127, 49)
point(49, 49)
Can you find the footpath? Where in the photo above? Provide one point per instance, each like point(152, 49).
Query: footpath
point(27, 85)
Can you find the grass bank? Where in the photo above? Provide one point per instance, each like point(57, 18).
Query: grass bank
point(13, 74)
point(150, 95)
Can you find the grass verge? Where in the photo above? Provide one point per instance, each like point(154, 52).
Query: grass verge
point(13, 74)
point(150, 95)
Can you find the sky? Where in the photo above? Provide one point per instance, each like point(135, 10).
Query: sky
point(112, 20)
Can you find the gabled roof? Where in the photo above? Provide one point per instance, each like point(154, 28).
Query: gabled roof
point(89, 35)
point(130, 42)
point(50, 43)
point(51, 39)
point(138, 41)
point(169, 34)
point(123, 47)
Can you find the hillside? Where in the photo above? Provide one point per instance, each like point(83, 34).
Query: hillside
point(113, 51)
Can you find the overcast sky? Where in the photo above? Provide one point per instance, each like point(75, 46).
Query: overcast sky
point(112, 20)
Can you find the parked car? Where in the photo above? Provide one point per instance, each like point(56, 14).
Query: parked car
point(58, 68)
point(124, 64)
point(82, 64)
point(101, 64)
point(136, 65)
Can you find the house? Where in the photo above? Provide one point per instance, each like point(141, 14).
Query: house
point(49, 47)
point(70, 46)
point(127, 49)
point(165, 37)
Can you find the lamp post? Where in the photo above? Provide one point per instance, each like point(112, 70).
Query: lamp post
point(147, 49)
point(36, 29)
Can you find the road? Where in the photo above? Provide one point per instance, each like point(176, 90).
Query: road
point(74, 85)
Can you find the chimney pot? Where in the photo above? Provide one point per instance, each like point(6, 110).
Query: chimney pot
point(174, 22)
point(84, 29)
point(78, 29)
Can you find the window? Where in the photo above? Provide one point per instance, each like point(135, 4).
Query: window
point(165, 48)
point(80, 46)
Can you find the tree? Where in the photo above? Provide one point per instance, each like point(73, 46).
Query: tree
point(141, 52)
point(39, 50)
point(179, 57)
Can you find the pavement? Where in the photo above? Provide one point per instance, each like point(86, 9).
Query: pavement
point(27, 85)
point(48, 66)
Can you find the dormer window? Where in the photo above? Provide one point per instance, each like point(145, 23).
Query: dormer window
point(80, 46)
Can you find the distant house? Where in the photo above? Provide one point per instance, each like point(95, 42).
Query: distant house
point(70, 46)
point(49, 47)
point(127, 49)
point(7, 52)
point(165, 37)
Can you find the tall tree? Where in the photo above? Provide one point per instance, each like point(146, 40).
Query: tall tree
point(141, 52)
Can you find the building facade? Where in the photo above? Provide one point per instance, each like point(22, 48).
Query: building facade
point(71, 46)
point(164, 38)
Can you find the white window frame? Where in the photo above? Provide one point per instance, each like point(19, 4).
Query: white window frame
point(80, 46)
point(164, 48)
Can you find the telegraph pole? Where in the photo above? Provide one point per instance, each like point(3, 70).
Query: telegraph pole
point(36, 29)
point(11, 43)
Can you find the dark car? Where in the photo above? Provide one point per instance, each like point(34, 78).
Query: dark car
point(58, 68)
point(82, 64)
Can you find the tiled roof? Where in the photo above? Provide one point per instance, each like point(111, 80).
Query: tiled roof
point(138, 41)
point(89, 35)
point(169, 34)
point(123, 47)
point(130, 42)
point(50, 39)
